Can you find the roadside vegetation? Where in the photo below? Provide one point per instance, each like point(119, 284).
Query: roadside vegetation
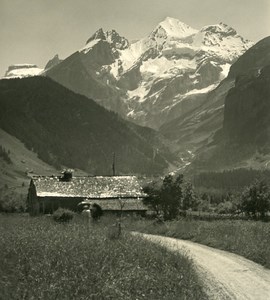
point(250, 239)
point(44, 259)
point(174, 197)
point(237, 224)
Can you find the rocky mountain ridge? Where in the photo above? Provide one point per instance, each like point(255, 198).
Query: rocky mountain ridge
point(53, 62)
point(157, 78)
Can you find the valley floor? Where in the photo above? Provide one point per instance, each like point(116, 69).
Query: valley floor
point(41, 259)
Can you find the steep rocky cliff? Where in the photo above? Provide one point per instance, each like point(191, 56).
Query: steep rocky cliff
point(247, 110)
point(244, 137)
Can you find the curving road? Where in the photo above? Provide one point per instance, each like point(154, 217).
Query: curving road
point(225, 275)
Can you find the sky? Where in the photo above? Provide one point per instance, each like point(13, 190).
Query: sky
point(33, 31)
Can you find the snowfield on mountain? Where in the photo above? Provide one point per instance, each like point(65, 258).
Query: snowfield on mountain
point(151, 80)
point(154, 79)
point(22, 70)
point(171, 62)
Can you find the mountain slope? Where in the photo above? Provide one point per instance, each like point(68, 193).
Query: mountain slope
point(64, 128)
point(157, 78)
point(22, 162)
point(247, 110)
point(15, 168)
point(244, 138)
point(253, 60)
point(83, 72)
point(195, 130)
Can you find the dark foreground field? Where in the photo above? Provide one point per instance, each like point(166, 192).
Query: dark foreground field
point(250, 239)
point(41, 259)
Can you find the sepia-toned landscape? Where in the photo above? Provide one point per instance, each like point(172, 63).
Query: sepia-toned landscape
point(134, 150)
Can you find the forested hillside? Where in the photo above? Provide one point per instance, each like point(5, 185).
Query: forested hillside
point(230, 179)
point(68, 129)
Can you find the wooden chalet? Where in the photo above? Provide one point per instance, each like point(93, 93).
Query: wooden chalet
point(112, 193)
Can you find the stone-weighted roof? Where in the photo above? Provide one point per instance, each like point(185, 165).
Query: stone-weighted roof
point(91, 187)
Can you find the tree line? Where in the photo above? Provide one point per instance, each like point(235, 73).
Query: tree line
point(230, 179)
point(175, 197)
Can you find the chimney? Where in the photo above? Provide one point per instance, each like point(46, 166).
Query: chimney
point(67, 176)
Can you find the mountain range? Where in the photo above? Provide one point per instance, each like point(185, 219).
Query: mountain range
point(189, 84)
point(155, 79)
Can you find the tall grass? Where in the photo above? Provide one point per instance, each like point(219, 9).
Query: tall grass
point(41, 259)
point(250, 239)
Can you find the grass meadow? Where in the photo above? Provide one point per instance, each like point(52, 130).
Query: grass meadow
point(250, 239)
point(41, 259)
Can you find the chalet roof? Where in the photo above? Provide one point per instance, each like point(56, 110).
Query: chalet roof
point(89, 187)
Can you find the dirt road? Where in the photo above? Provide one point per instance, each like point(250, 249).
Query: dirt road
point(225, 275)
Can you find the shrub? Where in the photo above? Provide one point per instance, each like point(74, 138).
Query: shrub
point(171, 198)
point(256, 199)
point(167, 198)
point(63, 215)
point(11, 201)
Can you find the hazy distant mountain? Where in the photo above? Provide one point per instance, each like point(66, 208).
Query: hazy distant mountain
point(68, 129)
point(157, 78)
point(22, 70)
point(29, 70)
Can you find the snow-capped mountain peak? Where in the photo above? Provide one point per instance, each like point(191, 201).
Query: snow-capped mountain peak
point(160, 72)
point(222, 40)
point(173, 29)
point(157, 77)
point(117, 41)
point(220, 28)
point(112, 37)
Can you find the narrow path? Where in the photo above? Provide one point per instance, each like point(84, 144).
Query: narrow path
point(225, 275)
